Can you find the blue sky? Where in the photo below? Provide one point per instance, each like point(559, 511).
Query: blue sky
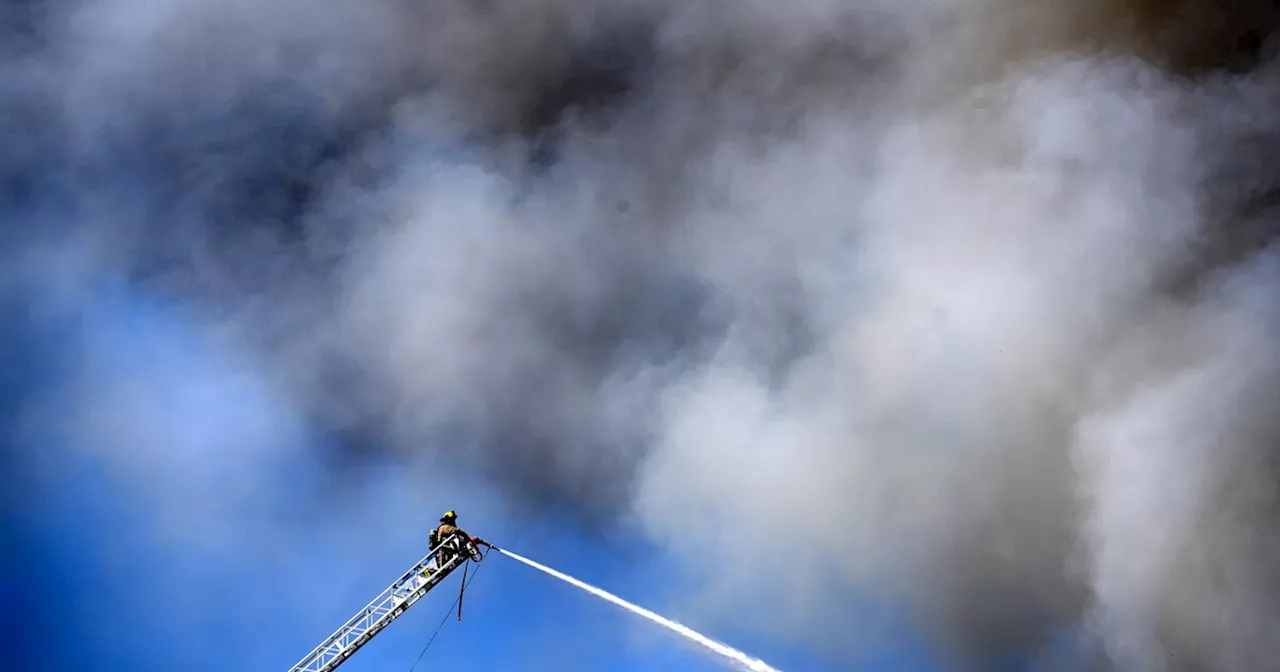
point(165, 542)
point(699, 230)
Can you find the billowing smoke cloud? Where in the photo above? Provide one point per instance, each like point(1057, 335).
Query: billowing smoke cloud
point(963, 310)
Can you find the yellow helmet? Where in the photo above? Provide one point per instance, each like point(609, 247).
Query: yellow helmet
point(448, 517)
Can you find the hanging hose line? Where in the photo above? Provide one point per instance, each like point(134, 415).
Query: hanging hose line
point(456, 603)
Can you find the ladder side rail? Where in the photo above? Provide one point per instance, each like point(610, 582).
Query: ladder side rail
point(341, 656)
point(301, 666)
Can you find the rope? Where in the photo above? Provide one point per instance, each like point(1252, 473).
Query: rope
point(447, 614)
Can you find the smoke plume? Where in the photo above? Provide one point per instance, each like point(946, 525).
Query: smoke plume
point(961, 309)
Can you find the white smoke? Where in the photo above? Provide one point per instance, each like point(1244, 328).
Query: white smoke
point(966, 303)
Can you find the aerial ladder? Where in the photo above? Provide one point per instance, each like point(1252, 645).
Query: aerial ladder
point(456, 550)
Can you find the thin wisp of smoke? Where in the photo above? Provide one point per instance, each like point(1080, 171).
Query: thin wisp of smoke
point(969, 303)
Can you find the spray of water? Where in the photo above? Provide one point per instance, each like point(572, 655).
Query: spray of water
point(743, 661)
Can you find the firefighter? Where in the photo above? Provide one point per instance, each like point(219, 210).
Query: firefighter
point(447, 528)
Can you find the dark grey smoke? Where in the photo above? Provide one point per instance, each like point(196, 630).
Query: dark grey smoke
point(975, 299)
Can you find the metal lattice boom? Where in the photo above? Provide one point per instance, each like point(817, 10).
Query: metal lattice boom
point(385, 608)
